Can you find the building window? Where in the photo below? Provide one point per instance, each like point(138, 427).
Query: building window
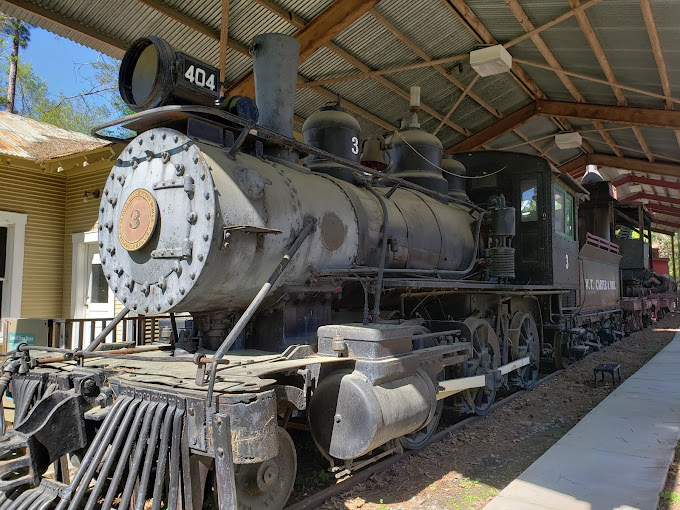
point(563, 212)
point(529, 208)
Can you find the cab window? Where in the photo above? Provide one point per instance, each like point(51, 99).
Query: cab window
point(563, 212)
point(529, 210)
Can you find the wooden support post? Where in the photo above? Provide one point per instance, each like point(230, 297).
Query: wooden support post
point(224, 43)
point(673, 270)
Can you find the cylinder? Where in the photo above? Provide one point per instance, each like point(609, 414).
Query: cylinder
point(349, 416)
point(275, 64)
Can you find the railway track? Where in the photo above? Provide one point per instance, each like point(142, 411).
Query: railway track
point(318, 498)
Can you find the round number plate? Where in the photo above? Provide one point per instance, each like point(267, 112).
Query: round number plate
point(137, 220)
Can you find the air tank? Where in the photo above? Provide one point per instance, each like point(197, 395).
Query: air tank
point(333, 130)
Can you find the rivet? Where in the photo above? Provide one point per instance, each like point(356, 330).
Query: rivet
point(106, 192)
point(195, 159)
point(208, 216)
point(108, 276)
point(129, 150)
point(220, 452)
point(337, 418)
point(192, 217)
point(135, 163)
point(101, 244)
point(101, 209)
point(101, 228)
point(139, 140)
point(158, 307)
point(170, 301)
point(191, 412)
point(181, 290)
point(193, 440)
point(185, 146)
point(103, 260)
point(134, 307)
point(207, 195)
point(172, 181)
point(206, 237)
point(179, 168)
point(146, 308)
point(115, 289)
point(165, 156)
point(175, 138)
point(200, 257)
point(192, 275)
point(124, 300)
point(152, 136)
point(177, 267)
point(161, 284)
point(203, 176)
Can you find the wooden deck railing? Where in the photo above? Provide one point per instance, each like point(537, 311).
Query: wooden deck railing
point(72, 333)
point(602, 243)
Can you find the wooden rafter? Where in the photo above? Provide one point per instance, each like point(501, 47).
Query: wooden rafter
point(461, 10)
point(299, 23)
point(650, 196)
point(664, 209)
point(437, 67)
point(636, 179)
point(333, 20)
point(116, 47)
point(632, 164)
point(598, 80)
point(610, 113)
point(602, 59)
point(631, 149)
point(658, 54)
point(190, 22)
point(466, 90)
point(542, 47)
point(498, 128)
point(666, 224)
point(224, 44)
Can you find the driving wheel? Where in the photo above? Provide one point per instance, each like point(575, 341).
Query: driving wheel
point(524, 341)
point(485, 357)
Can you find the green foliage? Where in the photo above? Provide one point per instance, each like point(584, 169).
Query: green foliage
point(96, 103)
point(671, 497)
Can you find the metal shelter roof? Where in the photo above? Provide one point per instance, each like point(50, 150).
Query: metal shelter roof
point(569, 57)
point(36, 141)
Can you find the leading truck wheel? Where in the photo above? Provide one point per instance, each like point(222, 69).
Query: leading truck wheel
point(524, 341)
point(268, 484)
point(485, 357)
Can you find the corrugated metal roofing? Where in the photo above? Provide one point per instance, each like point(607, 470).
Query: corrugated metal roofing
point(433, 27)
point(37, 141)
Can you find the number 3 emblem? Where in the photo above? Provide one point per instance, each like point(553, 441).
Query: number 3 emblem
point(567, 259)
point(355, 145)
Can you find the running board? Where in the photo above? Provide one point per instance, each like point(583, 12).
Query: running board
point(453, 386)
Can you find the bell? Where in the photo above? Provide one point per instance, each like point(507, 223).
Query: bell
point(373, 155)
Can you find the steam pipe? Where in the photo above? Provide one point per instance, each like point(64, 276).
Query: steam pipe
point(383, 252)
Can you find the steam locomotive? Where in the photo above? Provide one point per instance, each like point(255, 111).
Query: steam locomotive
point(345, 299)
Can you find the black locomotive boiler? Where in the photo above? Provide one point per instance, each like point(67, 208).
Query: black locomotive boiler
point(325, 295)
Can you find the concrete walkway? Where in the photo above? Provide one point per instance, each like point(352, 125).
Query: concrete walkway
point(617, 457)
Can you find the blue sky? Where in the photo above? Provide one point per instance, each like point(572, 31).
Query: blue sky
point(54, 59)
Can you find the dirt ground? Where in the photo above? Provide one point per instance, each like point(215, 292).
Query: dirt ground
point(468, 469)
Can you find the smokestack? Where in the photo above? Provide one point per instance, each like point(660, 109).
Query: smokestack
point(275, 64)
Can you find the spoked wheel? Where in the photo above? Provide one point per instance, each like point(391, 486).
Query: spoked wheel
point(268, 484)
point(560, 357)
point(485, 357)
point(524, 341)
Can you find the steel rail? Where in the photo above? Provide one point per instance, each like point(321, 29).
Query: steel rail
point(362, 476)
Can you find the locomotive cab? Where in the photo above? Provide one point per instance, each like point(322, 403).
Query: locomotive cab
point(546, 240)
